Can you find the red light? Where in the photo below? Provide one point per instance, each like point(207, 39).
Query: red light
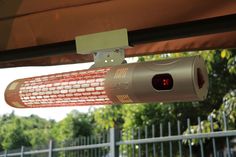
point(165, 82)
point(162, 82)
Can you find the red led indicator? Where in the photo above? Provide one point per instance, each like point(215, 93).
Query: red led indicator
point(165, 82)
point(162, 82)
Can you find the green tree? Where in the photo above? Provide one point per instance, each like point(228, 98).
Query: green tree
point(24, 131)
point(38, 130)
point(108, 117)
point(74, 125)
point(14, 136)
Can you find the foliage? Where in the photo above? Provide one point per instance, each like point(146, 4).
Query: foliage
point(38, 130)
point(34, 131)
point(27, 131)
point(14, 135)
point(11, 132)
point(108, 117)
point(74, 125)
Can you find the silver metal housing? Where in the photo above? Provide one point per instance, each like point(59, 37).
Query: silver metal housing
point(132, 83)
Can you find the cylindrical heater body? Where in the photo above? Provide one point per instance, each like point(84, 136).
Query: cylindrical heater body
point(182, 79)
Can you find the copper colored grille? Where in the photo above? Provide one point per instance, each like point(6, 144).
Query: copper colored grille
point(65, 89)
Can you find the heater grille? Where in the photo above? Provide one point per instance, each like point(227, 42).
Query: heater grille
point(66, 89)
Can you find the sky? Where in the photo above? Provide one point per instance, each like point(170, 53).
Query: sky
point(57, 113)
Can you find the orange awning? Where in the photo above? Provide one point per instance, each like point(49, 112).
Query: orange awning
point(26, 24)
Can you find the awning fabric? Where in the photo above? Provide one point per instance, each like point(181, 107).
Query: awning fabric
point(25, 23)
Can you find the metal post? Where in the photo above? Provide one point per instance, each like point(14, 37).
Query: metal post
point(50, 149)
point(162, 145)
point(189, 141)
point(5, 155)
point(139, 146)
point(170, 143)
point(154, 144)
point(146, 145)
point(213, 139)
point(180, 141)
point(22, 151)
point(227, 138)
point(114, 150)
point(200, 131)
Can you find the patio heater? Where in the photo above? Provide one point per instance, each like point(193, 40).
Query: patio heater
point(109, 81)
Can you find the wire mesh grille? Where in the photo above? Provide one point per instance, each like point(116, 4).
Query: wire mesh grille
point(66, 89)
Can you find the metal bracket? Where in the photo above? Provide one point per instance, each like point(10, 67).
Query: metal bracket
point(108, 48)
point(110, 58)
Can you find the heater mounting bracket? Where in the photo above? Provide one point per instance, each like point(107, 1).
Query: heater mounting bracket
point(108, 48)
